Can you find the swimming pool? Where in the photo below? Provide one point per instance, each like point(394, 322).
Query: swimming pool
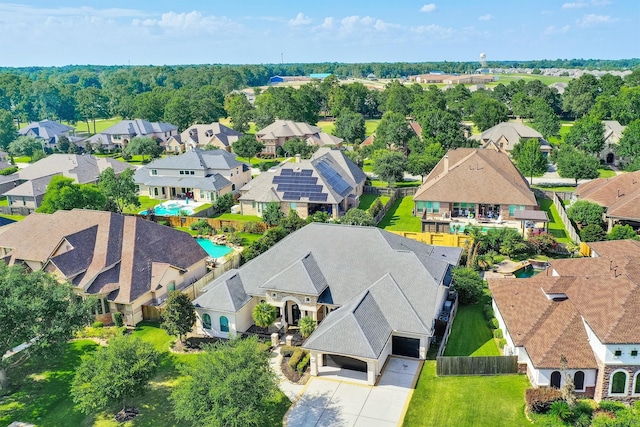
point(526, 272)
point(172, 209)
point(214, 251)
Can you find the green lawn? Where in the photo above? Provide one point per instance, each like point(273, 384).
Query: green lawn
point(556, 227)
point(41, 390)
point(466, 401)
point(370, 126)
point(400, 218)
point(606, 172)
point(14, 217)
point(22, 159)
point(327, 126)
point(470, 334)
point(4, 201)
point(564, 130)
point(238, 217)
point(368, 166)
point(556, 189)
point(366, 200)
point(101, 124)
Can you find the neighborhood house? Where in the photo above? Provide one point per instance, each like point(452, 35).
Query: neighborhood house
point(128, 263)
point(505, 136)
point(328, 182)
point(374, 293)
point(277, 133)
point(48, 132)
point(215, 135)
point(582, 310)
point(120, 134)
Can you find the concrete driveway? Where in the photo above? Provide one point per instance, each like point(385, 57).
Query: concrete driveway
point(340, 402)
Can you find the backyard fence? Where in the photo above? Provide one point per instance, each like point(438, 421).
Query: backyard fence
point(385, 208)
point(386, 191)
point(438, 239)
point(187, 221)
point(16, 210)
point(573, 234)
point(447, 331)
point(482, 365)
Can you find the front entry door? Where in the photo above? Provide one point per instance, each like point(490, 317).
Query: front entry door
point(295, 314)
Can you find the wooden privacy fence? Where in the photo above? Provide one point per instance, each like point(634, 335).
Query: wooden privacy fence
point(573, 234)
point(482, 365)
point(386, 191)
point(439, 239)
point(186, 221)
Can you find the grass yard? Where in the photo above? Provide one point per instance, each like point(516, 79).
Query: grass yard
point(41, 392)
point(238, 217)
point(556, 227)
point(14, 217)
point(368, 166)
point(556, 189)
point(146, 202)
point(606, 172)
point(370, 126)
point(327, 126)
point(466, 401)
point(4, 201)
point(400, 217)
point(22, 159)
point(564, 130)
point(366, 200)
point(470, 334)
point(101, 124)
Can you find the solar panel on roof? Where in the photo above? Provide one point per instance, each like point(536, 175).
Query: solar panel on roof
point(291, 196)
point(333, 179)
point(318, 197)
point(306, 172)
point(285, 172)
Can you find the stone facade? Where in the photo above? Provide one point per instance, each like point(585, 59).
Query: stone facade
point(604, 377)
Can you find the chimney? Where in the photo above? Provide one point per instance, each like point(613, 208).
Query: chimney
point(298, 158)
point(446, 163)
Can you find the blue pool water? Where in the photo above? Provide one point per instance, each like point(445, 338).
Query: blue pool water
point(526, 272)
point(169, 210)
point(214, 251)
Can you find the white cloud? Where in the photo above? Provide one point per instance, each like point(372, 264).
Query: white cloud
point(327, 24)
point(553, 30)
point(486, 17)
point(575, 5)
point(593, 20)
point(300, 19)
point(600, 2)
point(431, 7)
point(188, 23)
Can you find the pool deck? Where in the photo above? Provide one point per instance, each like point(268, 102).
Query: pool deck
point(506, 269)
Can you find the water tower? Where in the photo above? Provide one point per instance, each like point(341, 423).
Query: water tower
point(483, 60)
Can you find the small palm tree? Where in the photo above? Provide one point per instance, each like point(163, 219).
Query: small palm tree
point(264, 315)
point(307, 325)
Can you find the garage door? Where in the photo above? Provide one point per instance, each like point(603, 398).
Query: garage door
point(343, 362)
point(403, 346)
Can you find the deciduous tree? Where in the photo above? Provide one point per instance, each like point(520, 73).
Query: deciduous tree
point(585, 213)
point(119, 190)
point(272, 215)
point(629, 145)
point(357, 216)
point(178, 315)
point(247, 146)
point(239, 110)
point(544, 119)
point(576, 164)
point(350, 126)
point(114, 373)
point(389, 166)
point(229, 384)
point(468, 283)
point(63, 194)
point(621, 232)
point(489, 113)
point(528, 158)
point(587, 134)
point(36, 309)
point(25, 146)
point(7, 129)
point(393, 131)
point(144, 146)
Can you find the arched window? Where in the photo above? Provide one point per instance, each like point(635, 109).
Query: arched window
point(556, 378)
point(636, 383)
point(618, 383)
point(224, 324)
point(206, 321)
point(578, 380)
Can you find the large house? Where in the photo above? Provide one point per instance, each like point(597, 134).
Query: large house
point(203, 175)
point(584, 311)
point(613, 131)
point(328, 182)
point(473, 183)
point(620, 195)
point(504, 136)
point(128, 263)
point(200, 136)
point(49, 132)
point(26, 188)
point(119, 135)
point(374, 293)
point(281, 131)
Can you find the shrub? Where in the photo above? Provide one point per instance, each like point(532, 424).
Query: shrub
point(487, 310)
point(253, 227)
point(561, 409)
point(203, 227)
point(501, 343)
point(493, 323)
point(9, 170)
point(296, 357)
point(304, 363)
point(97, 325)
point(582, 420)
point(540, 399)
point(497, 333)
point(228, 229)
point(468, 283)
point(163, 223)
point(234, 239)
point(264, 166)
point(376, 207)
point(117, 319)
point(287, 350)
point(612, 406)
point(223, 203)
point(592, 233)
point(543, 243)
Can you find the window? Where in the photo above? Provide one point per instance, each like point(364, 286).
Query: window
point(617, 353)
point(636, 383)
point(618, 383)
point(172, 286)
point(420, 206)
point(181, 172)
point(107, 309)
point(514, 208)
point(233, 187)
point(155, 191)
point(224, 324)
point(634, 353)
point(154, 172)
point(192, 172)
point(433, 207)
point(578, 380)
point(206, 321)
point(307, 299)
point(556, 379)
point(292, 206)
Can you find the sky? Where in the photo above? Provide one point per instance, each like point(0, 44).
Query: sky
point(169, 32)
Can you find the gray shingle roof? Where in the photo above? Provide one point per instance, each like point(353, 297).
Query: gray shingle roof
point(197, 159)
point(138, 127)
point(213, 182)
point(46, 129)
point(225, 294)
point(83, 169)
point(202, 134)
point(303, 276)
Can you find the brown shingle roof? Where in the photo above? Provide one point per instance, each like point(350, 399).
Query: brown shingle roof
point(620, 194)
point(476, 176)
point(114, 252)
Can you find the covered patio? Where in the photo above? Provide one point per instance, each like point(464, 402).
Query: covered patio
point(535, 221)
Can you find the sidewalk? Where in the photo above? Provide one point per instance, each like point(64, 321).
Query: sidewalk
point(291, 390)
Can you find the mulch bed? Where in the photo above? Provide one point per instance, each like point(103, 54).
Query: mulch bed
point(293, 375)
